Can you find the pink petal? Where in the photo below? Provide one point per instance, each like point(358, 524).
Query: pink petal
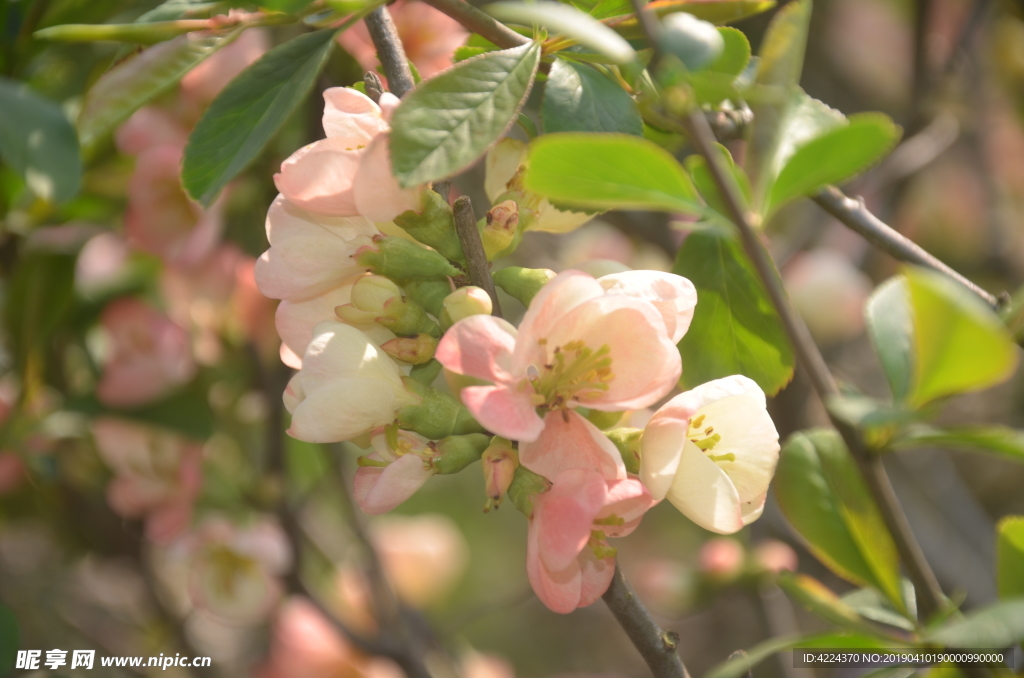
point(559, 591)
point(352, 115)
point(547, 310)
point(564, 516)
point(704, 493)
point(627, 499)
point(569, 441)
point(674, 296)
point(319, 177)
point(596, 577)
point(168, 521)
point(378, 197)
point(479, 346)
point(295, 320)
point(503, 411)
point(378, 490)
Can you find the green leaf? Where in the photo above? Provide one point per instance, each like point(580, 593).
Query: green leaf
point(820, 490)
point(833, 157)
point(568, 21)
point(38, 142)
point(609, 171)
point(185, 412)
point(735, 328)
point(1002, 441)
point(1010, 557)
point(179, 9)
point(821, 601)
point(739, 666)
point(960, 343)
point(38, 299)
point(890, 324)
point(998, 625)
point(144, 33)
point(577, 98)
point(736, 54)
point(136, 81)
point(9, 640)
point(698, 168)
point(246, 115)
point(715, 11)
point(446, 123)
point(870, 604)
point(608, 8)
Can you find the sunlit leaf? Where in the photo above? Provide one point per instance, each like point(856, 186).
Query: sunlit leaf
point(997, 625)
point(577, 98)
point(1002, 441)
point(715, 11)
point(568, 21)
point(1010, 557)
point(890, 324)
point(821, 601)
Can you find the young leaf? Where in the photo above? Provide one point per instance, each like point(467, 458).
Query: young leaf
point(609, 171)
point(960, 343)
point(1010, 557)
point(819, 600)
point(870, 604)
point(820, 491)
point(739, 666)
point(568, 21)
point(38, 142)
point(136, 81)
point(577, 98)
point(735, 328)
point(890, 324)
point(246, 115)
point(446, 123)
point(833, 157)
point(736, 54)
point(1002, 441)
point(715, 11)
point(998, 625)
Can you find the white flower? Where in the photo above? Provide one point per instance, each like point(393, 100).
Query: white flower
point(712, 451)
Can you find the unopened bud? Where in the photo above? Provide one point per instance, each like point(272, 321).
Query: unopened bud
point(433, 225)
point(413, 350)
point(454, 453)
point(604, 420)
point(721, 558)
point(401, 259)
point(437, 414)
point(429, 294)
point(627, 440)
point(406, 318)
point(371, 293)
point(500, 462)
point(525, 486)
point(523, 283)
point(500, 228)
point(464, 302)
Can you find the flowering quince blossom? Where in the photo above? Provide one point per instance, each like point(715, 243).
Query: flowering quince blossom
point(393, 471)
point(712, 452)
point(605, 344)
point(347, 386)
point(148, 354)
point(348, 173)
point(158, 475)
point(234, 571)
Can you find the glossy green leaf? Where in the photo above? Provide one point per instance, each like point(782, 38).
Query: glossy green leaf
point(960, 343)
point(1010, 557)
point(820, 490)
point(822, 602)
point(138, 80)
point(246, 115)
point(870, 604)
point(38, 142)
point(998, 625)
point(735, 55)
point(715, 11)
point(834, 157)
point(446, 123)
point(1002, 441)
point(735, 328)
point(145, 33)
point(890, 324)
point(568, 21)
point(9, 640)
point(577, 98)
point(604, 9)
point(741, 665)
point(701, 175)
point(608, 171)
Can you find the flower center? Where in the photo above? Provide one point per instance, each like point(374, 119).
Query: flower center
point(576, 373)
point(705, 439)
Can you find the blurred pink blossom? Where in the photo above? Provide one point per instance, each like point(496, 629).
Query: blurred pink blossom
point(101, 261)
point(150, 127)
point(12, 472)
point(721, 557)
point(428, 36)
point(392, 475)
point(147, 356)
point(772, 555)
point(829, 292)
point(202, 84)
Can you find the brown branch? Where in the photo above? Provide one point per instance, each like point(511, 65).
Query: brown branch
point(479, 22)
point(389, 51)
point(657, 647)
point(855, 216)
point(477, 266)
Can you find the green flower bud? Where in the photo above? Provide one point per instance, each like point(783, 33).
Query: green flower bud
point(500, 228)
point(603, 420)
point(455, 453)
point(525, 485)
point(429, 294)
point(401, 260)
point(426, 373)
point(523, 283)
point(500, 462)
point(464, 302)
point(413, 350)
point(371, 293)
point(406, 318)
point(627, 440)
point(433, 225)
point(437, 415)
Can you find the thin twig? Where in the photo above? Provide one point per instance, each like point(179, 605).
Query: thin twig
point(479, 22)
point(856, 216)
point(389, 51)
point(476, 259)
point(656, 646)
point(930, 597)
point(649, 23)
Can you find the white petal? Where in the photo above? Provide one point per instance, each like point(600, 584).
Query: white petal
point(704, 493)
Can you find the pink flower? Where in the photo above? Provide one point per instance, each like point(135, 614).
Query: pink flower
point(157, 475)
point(303, 644)
point(392, 472)
point(348, 173)
point(150, 127)
point(253, 311)
point(721, 557)
point(604, 344)
point(12, 472)
point(424, 556)
point(160, 218)
point(829, 292)
point(101, 263)
point(148, 354)
point(568, 559)
point(429, 38)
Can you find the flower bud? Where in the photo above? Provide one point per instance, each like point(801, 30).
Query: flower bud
point(371, 293)
point(413, 350)
point(721, 558)
point(500, 462)
point(401, 259)
point(433, 225)
point(437, 415)
point(464, 302)
point(454, 453)
point(500, 229)
point(525, 486)
point(627, 440)
point(775, 556)
point(523, 283)
point(429, 294)
point(377, 299)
